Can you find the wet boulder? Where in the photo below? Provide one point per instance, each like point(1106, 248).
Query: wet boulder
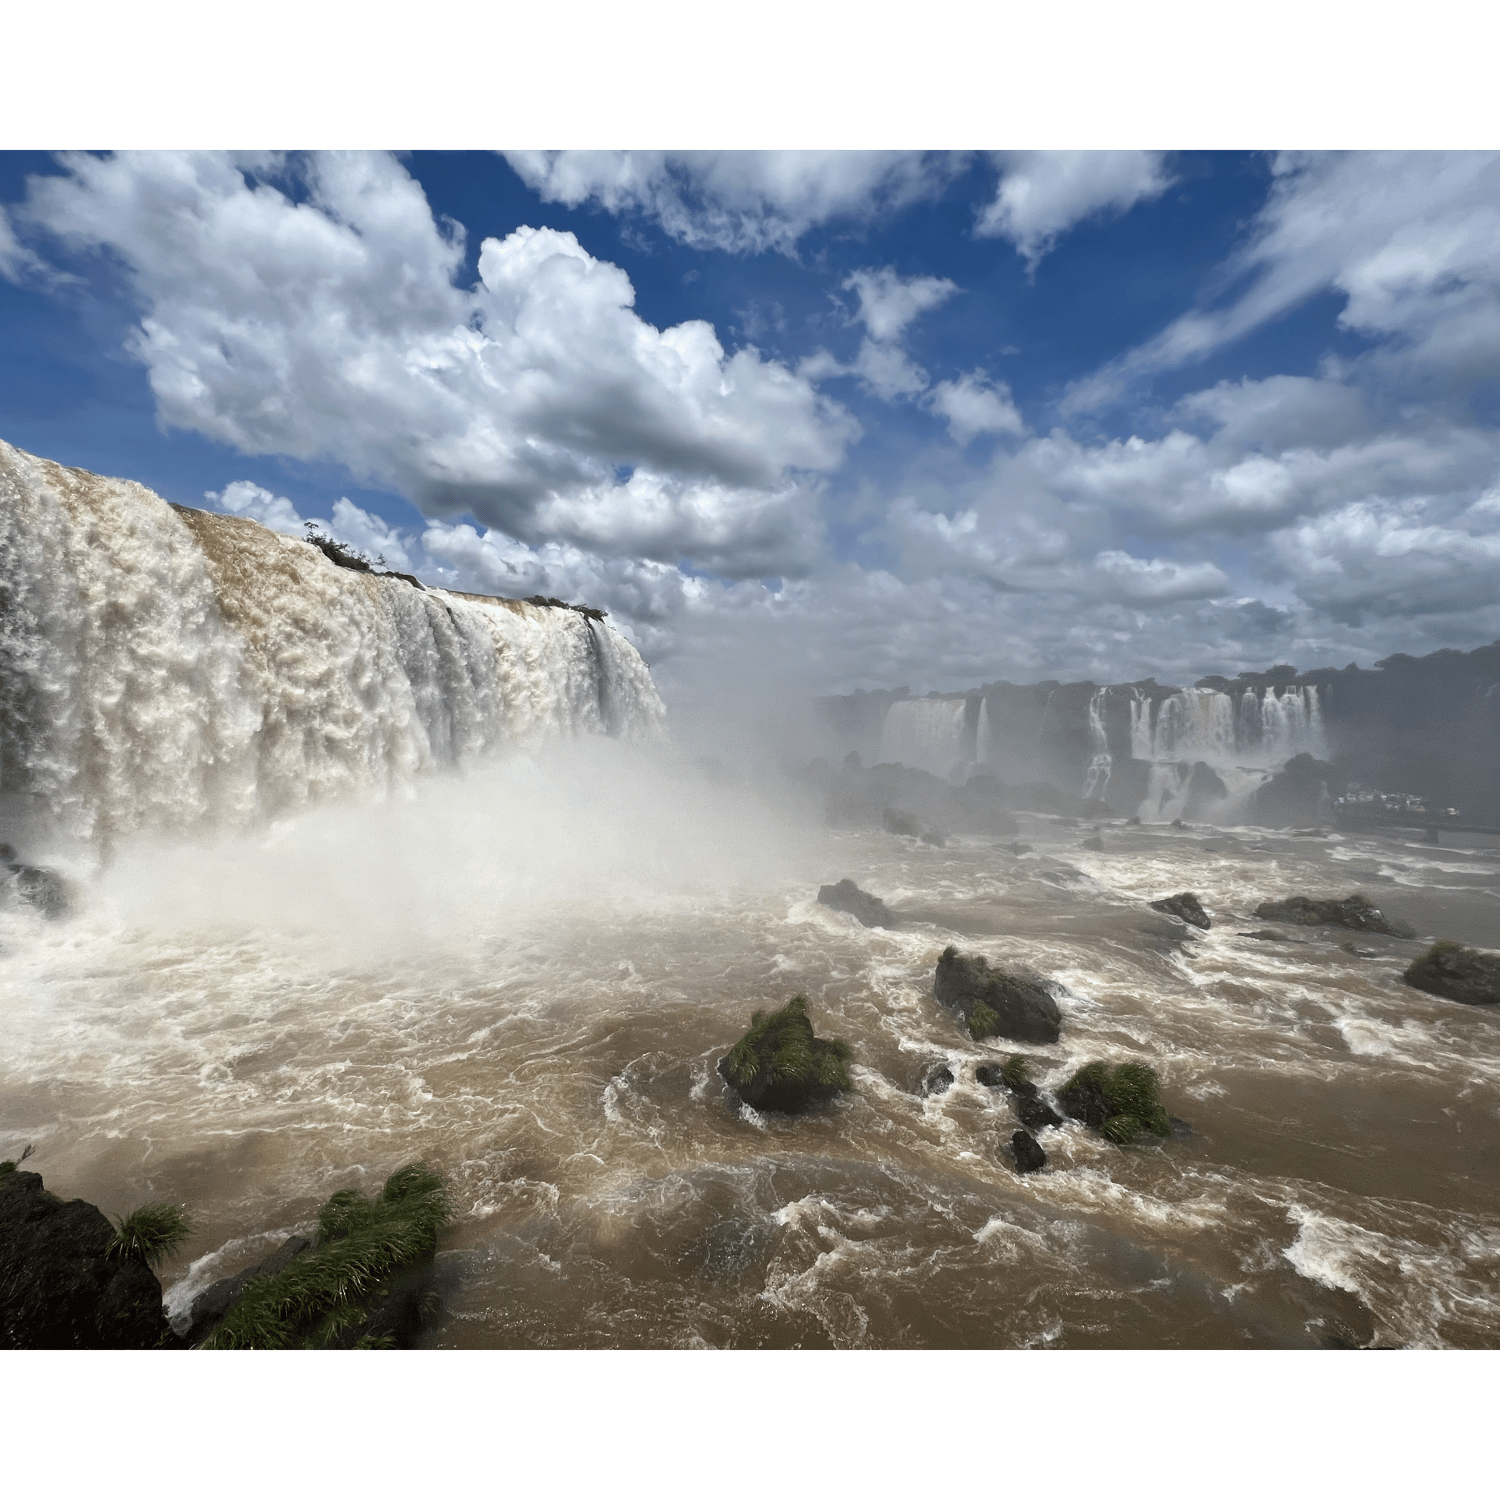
point(994, 1002)
point(893, 820)
point(1185, 905)
point(869, 910)
point(63, 1282)
point(1122, 1103)
point(1035, 1113)
point(1095, 843)
point(44, 889)
point(1029, 1156)
point(1455, 972)
point(780, 1065)
point(937, 1080)
point(1354, 911)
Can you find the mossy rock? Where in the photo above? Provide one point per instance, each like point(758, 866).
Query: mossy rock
point(994, 1002)
point(1122, 1103)
point(370, 1253)
point(780, 1065)
point(1457, 973)
point(1355, 912)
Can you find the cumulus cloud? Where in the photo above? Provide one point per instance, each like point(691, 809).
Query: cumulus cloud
point(1409, 239)
point(1370, 558)
point(1043, 194)
point(745, 202)
point(973, 404)
point(327, 324)
point(887, 305)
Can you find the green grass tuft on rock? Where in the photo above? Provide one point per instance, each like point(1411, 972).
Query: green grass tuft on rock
point(325, 1295)
point(983, 1021)
point(1122, 1103)
point(780, 1065)
point(1015, 1071)
point(150, 1234)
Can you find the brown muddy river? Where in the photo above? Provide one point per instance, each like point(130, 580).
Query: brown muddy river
point(527, 975)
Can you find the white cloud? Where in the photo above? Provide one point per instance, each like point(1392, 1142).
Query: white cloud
point(741, 201)
point(973, 404)
point(1409, 238)
point(242, 498)
point(888, 305)
point(1391, 560)
point(1043, 194)
point(331, 327)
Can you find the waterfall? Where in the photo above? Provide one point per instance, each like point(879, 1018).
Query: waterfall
point(985, 746)
point(1102, 763)
point(164, 669)
point(1240, 741)
point(927, 733)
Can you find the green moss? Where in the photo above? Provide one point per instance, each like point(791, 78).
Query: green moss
point(151, 1233)
point(1130, 1095)
point(983, 1021)
point(779, 1063)
point(1015, 1071)
point(324, 1295)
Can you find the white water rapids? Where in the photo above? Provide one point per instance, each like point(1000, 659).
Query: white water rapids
point(378, 888)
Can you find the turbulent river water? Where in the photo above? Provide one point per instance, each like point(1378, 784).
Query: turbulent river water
point(526, 975)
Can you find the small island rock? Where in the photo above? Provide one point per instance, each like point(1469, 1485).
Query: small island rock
point(1185, 905)
point(1028, 1154)
point(869, 910)
point(780, 1065)
point(1457, 973)
point(993, 1002)
point(1353, 911)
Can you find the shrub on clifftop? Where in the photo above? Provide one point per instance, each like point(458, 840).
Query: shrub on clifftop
point(780, 1065)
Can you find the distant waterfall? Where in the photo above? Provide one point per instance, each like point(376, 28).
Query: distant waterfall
point(1266, 729)
point(1103, 762)
point(927, 733)
point(1241, 742)
point(166, 669)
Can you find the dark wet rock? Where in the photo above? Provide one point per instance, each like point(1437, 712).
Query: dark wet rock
point(1132, 822)
point(1455, 972)
point(939, 1079)
point(1180, 1128)
point(59, 1286)
point(213, 1302)
point(780, 1065)
point(993, 1002)
point(1358, 952)
point(1095, 843)
point(893, 820)
point(1035, 1113)
point(870, 910)
point(989, 1075)
point(1122, 1103)
point(1353, 911)
point(1028, 1154)
point(936, 839)
point(46, 890)
point(1302, 792)
point(1185, 905)
point(1265, 935)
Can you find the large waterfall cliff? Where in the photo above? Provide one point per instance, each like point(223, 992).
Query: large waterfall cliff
point(165, 669)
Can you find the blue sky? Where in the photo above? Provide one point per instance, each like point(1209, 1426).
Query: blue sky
point(850, 419)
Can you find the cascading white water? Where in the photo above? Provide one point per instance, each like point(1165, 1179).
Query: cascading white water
point(927, 733)
point(1241, 743)
point(1203, 724)
point(164, 669)
point(1102, 764)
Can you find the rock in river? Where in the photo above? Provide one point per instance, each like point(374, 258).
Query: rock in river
point(993, 1002)
point(870, 910)
point(1353, 911)
point(1185, 905)
point(1457, 973)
